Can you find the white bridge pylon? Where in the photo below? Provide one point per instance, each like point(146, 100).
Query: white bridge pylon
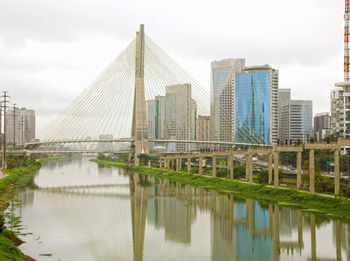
point(106, 106)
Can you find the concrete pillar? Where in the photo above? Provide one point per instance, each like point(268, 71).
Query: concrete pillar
point(230, 165)
point(139, 129)
point(149, 164)
point(173, 164)
point(249, 166)
point(312, 171)
point(313, 236)
point(200, 166)
point(168, 164)
point(276, 173)
point(338, 239)
point(180, 164)
point(336, 172)
point(299, 177)
point(300, 227)
point(188, 165)
point(246, 166)
point(160, 163)
point(270, 168)
point(177, 164)
point(250, 215)
point(276, 230)
point(214, 166)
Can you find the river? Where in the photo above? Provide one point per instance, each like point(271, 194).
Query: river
point(77, 210)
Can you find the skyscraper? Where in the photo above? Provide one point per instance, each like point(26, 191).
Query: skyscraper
point(180, 116)
point(203, 130)
point(337, 111)
point(296, 122)
point(322, 125)
point(20, 124)
point(283, 99)
point(156, 118)
point(222, 98)
point(256, 105)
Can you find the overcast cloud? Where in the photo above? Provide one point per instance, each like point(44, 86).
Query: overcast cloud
point(51, 50)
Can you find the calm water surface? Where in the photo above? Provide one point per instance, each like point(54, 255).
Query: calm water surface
point(77, 210)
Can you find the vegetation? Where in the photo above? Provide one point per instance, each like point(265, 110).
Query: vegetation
point(332, 207)
point(144, 159)
point(20, 171)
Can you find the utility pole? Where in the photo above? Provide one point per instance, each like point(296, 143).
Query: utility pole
point(22, 131)
point(4, 106)
point(0, 125)
point(14, 127)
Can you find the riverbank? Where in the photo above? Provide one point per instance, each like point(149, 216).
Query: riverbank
point(322, 205)
point(16, 179)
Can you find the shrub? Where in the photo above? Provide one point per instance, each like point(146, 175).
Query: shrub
point(263, 177)
point(221, 173)
point(101, 156)
point(2, 223)
point(239, 172)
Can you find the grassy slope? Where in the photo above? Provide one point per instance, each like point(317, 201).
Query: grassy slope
point(16, 178)
point(335, 208)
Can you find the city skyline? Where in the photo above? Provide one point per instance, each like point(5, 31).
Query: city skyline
point(49, 65)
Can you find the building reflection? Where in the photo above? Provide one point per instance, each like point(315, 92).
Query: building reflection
point(241, 229)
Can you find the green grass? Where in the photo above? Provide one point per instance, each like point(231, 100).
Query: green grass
point(8, 251)
point(17, 178)
point(327, 206)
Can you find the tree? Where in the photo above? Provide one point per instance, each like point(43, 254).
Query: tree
point(144, 158)
point(239, 172)
point(263, 177)
point(101, 156)
point(2, 223)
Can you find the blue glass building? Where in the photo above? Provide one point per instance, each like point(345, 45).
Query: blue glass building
point(256, 106)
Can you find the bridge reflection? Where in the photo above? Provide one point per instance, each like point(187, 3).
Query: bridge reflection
point(240, 229)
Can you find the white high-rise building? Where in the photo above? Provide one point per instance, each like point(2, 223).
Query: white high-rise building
point(296, 122)
point(222, 98)
point(180, 115)
point(322, 125)
point(337, 111)
point(20, 125)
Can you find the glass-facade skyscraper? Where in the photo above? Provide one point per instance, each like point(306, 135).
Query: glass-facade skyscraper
point(296, 119)
point(256, 105)
point(222, 98)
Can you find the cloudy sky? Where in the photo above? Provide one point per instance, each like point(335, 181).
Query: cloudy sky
point(51, 50)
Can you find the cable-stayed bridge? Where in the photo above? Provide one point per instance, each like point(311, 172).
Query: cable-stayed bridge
point(115, 102)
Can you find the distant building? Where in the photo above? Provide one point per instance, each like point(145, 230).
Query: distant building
point(222, 105)
point(203, 130)
point(296, 122)
point(105, 146)
point(173, 116)
point(284, 96)
point(156, 119)
point(256, 105)
point(180, 116)
point(322, 125)
point(337, 110)
point(20, 125)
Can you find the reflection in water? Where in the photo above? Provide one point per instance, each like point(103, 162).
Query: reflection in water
point(139, 218)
